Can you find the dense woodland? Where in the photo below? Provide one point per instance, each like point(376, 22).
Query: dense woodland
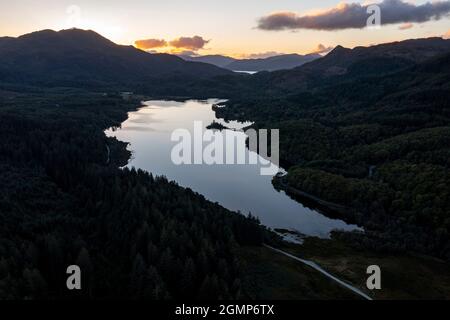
point(366, 128)
point(370, 137)
point(62, 202)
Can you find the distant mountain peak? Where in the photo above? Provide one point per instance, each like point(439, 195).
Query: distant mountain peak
point(60, 32)
point(339, 49)
point(69, 36)
point(38, 34)
point(272, 63)
point(75, 57)
point(361, 62)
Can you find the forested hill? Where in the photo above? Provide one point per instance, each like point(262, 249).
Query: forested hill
point(80, 58)
point(134, 236)
point(367, 128)
point(344, 64)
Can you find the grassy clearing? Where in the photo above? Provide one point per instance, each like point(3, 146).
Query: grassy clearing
point(403, 276)
point(269, 275)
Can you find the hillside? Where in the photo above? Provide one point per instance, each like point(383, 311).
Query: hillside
point(80, 58)
point(217, 60)
point(286, 61)
point(352, 64)
point(134, 235)
point(374, 139)
point(278, 62)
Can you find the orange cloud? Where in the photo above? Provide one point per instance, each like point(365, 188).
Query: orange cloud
point(150, 43)
point(191, 43)
point(322, 49)
point(406, 26)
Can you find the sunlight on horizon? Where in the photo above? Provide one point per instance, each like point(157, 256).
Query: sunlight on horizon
point(229, 29)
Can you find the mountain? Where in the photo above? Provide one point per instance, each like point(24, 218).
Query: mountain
point(355, 63)
point(217, 60)
point(366, 129)
point(284, 61)
point(84, 58)
point(393, 55)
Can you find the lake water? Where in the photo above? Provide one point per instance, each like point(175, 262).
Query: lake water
point(237, 187)
point(247, 72)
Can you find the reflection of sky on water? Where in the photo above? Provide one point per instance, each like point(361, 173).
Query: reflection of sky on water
point(236, 187)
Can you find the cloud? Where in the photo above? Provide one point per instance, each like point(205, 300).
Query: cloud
point(182, 45)
point(261, 55)
point(150, 43)
point(406, 26)
point(321, 49)
point(354, 15)
point(187, 53)
point(191, 43)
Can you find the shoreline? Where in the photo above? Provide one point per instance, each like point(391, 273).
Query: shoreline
point(327, 208)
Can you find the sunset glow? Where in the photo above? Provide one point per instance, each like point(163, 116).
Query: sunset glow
point(228, 28)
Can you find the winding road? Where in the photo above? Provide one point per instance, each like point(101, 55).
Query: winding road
point(325, 273)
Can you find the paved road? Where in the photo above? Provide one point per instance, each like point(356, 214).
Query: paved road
point(325, 273)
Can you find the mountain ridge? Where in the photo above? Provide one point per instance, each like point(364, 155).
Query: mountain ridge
point(83, 57)
point(273, 63)
point(357, 62)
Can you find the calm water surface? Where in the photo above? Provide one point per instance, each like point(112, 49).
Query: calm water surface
point(236, 187)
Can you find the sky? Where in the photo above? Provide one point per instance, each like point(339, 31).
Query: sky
point(239, 28)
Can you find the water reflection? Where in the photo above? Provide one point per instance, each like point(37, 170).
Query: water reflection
point(236, 187)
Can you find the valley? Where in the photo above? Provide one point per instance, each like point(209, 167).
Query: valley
point(364, 130)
